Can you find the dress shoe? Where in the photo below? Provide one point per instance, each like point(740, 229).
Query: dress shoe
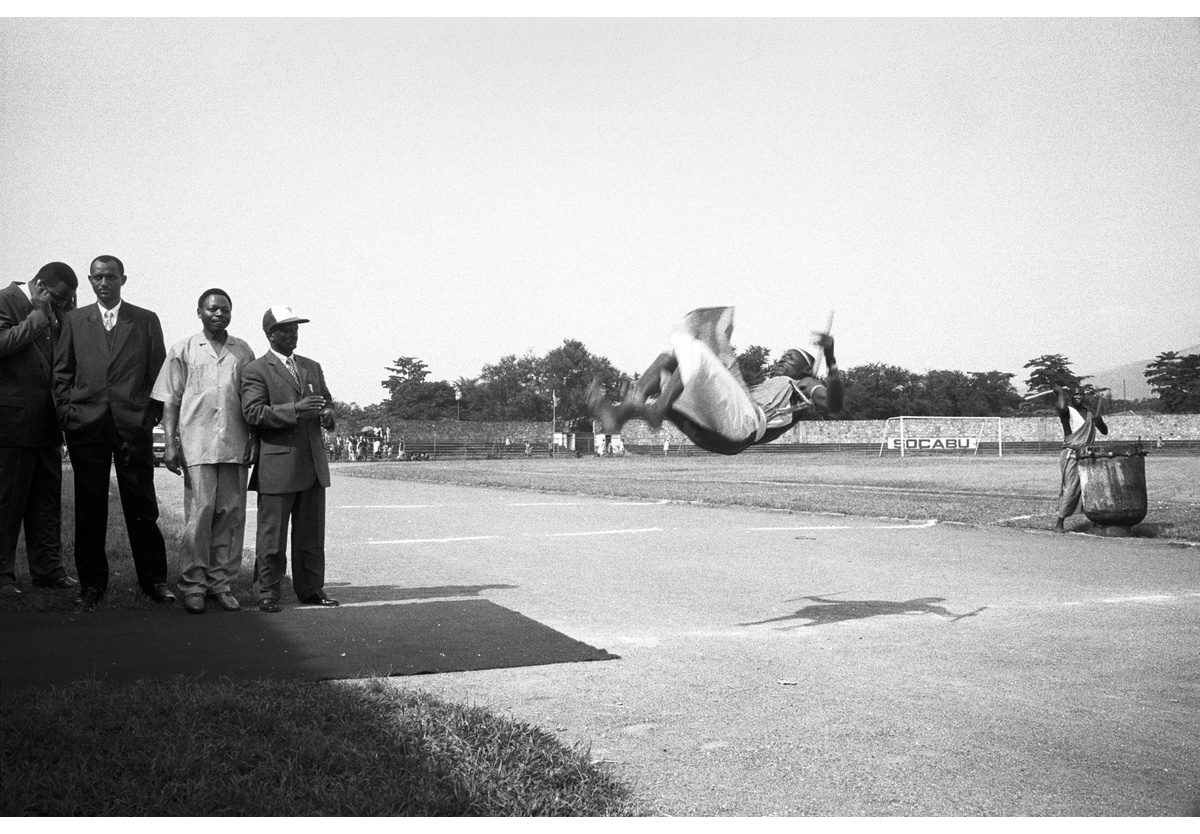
point(63, 583)
point(227, 601)
point(194, 603)
point(269, 606)
point(320, 599)
point(88, 597)
point(10, 590)
point(160, 593)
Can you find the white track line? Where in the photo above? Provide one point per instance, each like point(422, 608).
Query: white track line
point(546, 504)
point(389, 506)
point(436, 541)
point(923, 525)
point(592, 533)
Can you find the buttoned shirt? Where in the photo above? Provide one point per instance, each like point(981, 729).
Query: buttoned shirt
point(207, 387)
point(114, 312)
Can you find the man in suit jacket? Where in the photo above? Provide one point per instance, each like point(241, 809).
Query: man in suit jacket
point(105, 364)
point(30, 440)
point(285, 398)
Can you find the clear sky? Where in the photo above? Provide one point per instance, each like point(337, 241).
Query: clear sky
point(963, 193)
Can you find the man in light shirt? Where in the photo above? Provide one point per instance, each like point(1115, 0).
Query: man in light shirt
point(210, 444)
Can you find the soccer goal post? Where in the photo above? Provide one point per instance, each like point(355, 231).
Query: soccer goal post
point(928, 435)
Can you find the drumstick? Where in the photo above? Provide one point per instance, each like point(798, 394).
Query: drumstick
point(820, 354)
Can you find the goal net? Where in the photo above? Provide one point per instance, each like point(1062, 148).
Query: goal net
point(942, 435)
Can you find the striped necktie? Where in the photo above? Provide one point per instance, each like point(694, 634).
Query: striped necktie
point(291, 366)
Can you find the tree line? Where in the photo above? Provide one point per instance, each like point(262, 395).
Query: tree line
point(533, 388)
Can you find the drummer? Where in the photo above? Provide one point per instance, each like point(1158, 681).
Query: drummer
point(1079, 423)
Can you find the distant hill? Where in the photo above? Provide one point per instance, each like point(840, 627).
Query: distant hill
point(1129, 381)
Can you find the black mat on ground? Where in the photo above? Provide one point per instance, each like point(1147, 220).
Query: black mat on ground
point(300, 643)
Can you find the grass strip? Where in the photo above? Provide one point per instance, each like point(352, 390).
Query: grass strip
point(197, 747)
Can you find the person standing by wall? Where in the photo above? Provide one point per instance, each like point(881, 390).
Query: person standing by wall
point(30, 437)
point(105, 363)
point(284, 397)
point(209, 443)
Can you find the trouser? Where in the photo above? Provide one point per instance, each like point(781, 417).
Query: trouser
point(214, 512)
point(31, 497)
point(1069, 492)
point(306, 513)
point(92, 461)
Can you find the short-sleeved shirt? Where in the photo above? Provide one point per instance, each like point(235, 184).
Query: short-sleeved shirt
point(207, 388)
point(774, 397)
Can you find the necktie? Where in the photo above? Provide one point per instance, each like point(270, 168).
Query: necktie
point(291, 366)
point(109, 319)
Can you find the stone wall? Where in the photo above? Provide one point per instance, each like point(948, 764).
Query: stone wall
point(1122, 427)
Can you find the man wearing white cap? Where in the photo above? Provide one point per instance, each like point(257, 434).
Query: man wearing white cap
point(697, 385)
point(285, 398)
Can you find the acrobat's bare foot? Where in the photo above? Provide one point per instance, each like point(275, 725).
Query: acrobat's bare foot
point(602, 410)
point(1058, 526)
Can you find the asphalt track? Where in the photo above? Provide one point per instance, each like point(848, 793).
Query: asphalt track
point(780, 664)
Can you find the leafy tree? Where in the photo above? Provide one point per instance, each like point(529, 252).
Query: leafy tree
point(877, 391)
point(1050, 370)
point(754, 362)
point(508, 390)
point(568, 370)
point(1176, 381)
point(995, 395)
point(412, 397)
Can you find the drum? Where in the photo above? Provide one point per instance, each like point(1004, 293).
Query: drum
point(1114, 488)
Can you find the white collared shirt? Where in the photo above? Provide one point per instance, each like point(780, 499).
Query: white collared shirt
point(116, 312)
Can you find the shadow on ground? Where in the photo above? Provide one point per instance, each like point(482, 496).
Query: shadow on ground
point(389, 632)
point(826, 611)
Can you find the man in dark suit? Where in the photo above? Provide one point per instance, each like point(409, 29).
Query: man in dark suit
point(105, 364)
point(30, 439)
point(285, 398)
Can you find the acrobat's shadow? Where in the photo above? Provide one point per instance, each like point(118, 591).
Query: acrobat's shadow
point(827, 611)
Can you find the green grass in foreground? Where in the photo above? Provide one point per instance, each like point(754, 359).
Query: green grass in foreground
point(184, 747)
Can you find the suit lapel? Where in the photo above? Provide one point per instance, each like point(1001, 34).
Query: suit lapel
point(121, 330)
point(95, 333)
point(282, 370)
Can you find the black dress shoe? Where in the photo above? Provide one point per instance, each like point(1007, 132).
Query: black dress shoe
point(63, 583)
point(319, 599)
point(160, 593)
point(269, 606)
point(88, 597)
